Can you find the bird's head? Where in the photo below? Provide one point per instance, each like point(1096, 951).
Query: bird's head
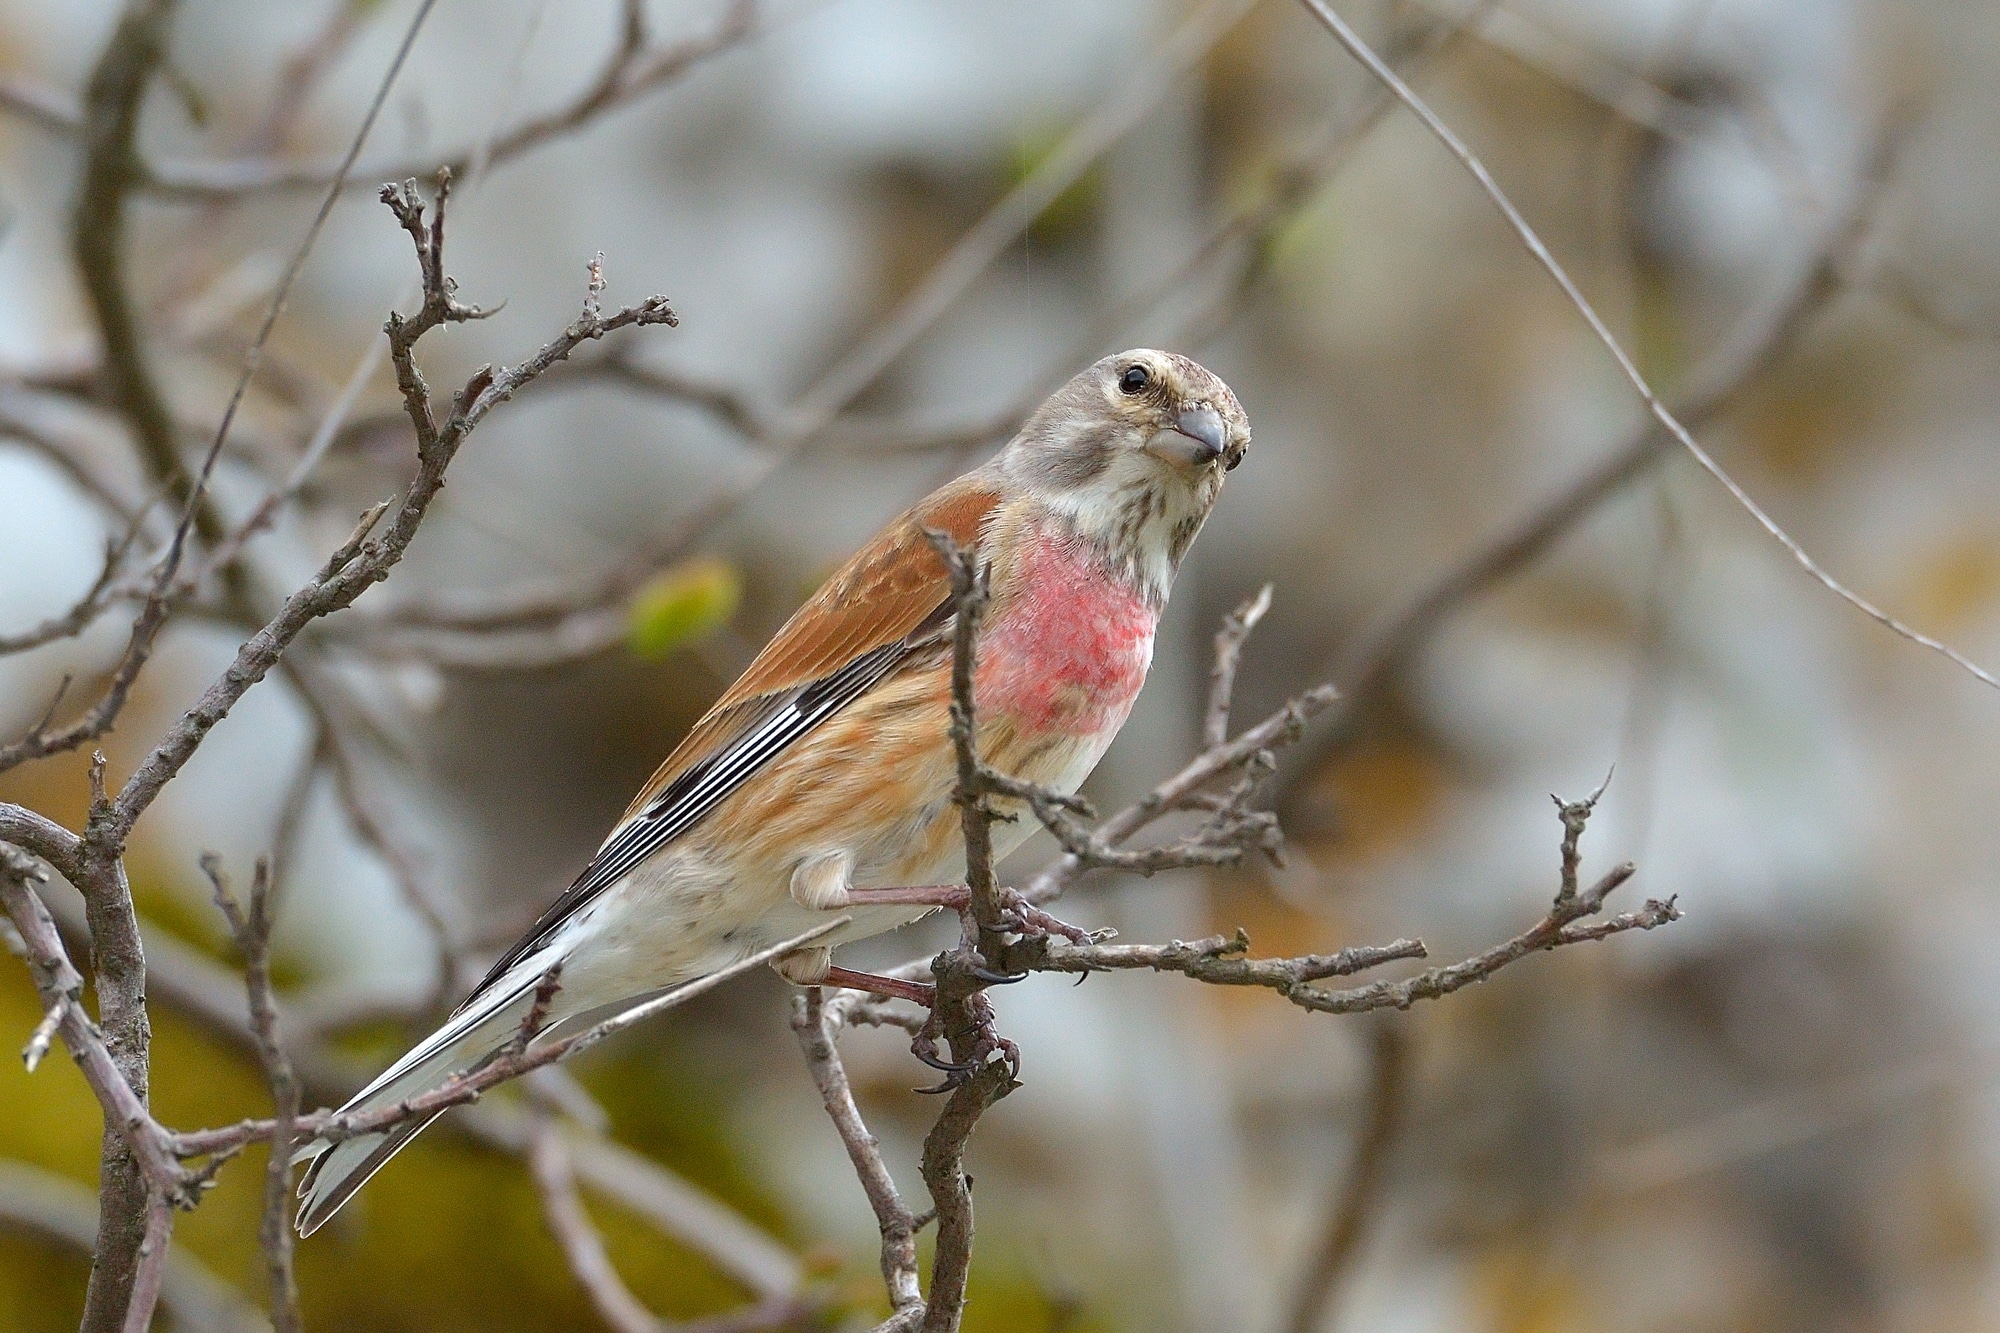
point(1133, 451)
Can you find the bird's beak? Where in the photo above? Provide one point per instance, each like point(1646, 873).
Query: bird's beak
point(1198, 437)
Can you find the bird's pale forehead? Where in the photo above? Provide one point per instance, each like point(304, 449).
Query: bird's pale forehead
point(1198, 381)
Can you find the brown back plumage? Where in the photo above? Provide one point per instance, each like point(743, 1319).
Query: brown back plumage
point(883, 592)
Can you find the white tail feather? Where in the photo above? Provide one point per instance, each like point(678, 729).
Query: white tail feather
point(481, 1028)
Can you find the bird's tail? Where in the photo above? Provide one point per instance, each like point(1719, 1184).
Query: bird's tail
point(483, 1026)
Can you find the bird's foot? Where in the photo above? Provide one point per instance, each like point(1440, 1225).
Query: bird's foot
point(1017, 914)
point(986, 1043)
point(1024, 918)
point(987, 1046)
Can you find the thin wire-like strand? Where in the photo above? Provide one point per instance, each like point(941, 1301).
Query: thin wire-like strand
point(254, 358)
point(1529, 238)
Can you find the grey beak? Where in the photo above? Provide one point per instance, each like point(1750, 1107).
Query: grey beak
point(1204, 426)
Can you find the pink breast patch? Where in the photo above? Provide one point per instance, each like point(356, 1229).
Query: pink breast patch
point(1071, 651)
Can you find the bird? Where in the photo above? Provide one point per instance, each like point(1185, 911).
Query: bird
point(821, 781)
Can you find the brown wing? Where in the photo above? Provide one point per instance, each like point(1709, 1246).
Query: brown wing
point(883, 592)
point(854, 631)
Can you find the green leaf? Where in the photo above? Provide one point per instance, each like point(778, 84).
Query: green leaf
point(682, 606)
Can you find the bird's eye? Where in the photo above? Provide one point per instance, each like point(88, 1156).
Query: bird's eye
point(1135, 379)
point(1234, 459)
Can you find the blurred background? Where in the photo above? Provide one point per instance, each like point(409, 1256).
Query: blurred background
point(889, 228)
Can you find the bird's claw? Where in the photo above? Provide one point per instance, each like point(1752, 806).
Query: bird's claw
point(992, 978)
point(1024, 918)
point(987, 1044)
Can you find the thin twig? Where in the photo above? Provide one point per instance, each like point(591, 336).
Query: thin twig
point(150, 1272)
point(633, 69)
point(1536, 247)
point(364, 560)
point(1759, 342)
point(1236, 627)
point(255, 355)
point(100, 596)
point(336, 1127)
point(1355, 1201)
point(893, 1217)
point(251, 928)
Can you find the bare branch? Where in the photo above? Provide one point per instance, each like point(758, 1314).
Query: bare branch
point(251, 929)
point(1759, 342)
point(324, 697)
point(111, 170)
point(60, 987)
point(113, 1058)
point(40, 104)
point(253, 358)
point(362, 560)
point(101, 595)
point(1214, 960)
point(893, 1217)
point(203, 991)
point(151, 1271)
point(469, 1087)
point(634, 69)
point(1236, 627)
point(1181, 791)
point(1536, 247)
point(1218, 961)
point(1359, 1191)
point(562, 1207)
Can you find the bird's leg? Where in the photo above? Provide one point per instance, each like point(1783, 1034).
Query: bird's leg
point(924, 1044)
point(823, 884)
point(986, 1041)
point(917, 992)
